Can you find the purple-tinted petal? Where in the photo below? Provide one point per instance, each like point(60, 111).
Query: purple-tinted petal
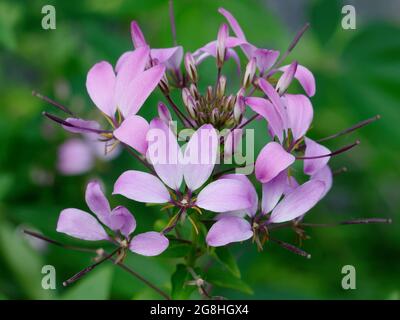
point(249, 189)
point(149, 243)
point(80, 224)
point(232, 140)
point(170, 57)
point(227, 230)
point(298, 202)
point(291, 185)
point(142, 187)
point(97, 202)
point(81, 126)
point(139, 88)
point(100, 84)
point(265, 58)
point(233, 23)
point(274, 97)
point(200, 156)
point(74, 157)
point(286, 78)
point(312, 166)
point(133, 132)
point(225, 195)
point(299, 114)
point(122, 220)
point(324, 175)
point(163, 113)
point(271, 161)
point(164, 153)
point(272, 191)
point(137, 35)
point(305, 77)
point(265, 108)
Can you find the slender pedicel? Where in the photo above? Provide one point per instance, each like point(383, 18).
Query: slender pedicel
point(351, 129)
point(349, 222)
point(172, 21)
point(339, 151)
point(291, 247)
point(248, 121)
point(68, 124)
point(52, 102)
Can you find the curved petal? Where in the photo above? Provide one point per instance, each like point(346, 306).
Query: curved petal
point(122, 220)
point(274, 97)
point(271, 161)
point(265, 58)
point(170, 57)
point(137, 35)
point(298, 202)
point(97, 202)
point(149, 243)
point(133, 132)
point(291, 185)
point(312, 166)
point(272, 191)
point(142, 187)
point(139, 88)
point(227, 230)
point(200, 156)
point(81, 126)
point(80, 224)
point(286, 78)
point(74, 157)
point(305, 77)
point(233, 23)
point(164, 153)
point(300, 114)
point(232, 140)
point(249, 189)
point(100, 84)
point(266, 109)
point(324, 175)
point(225, 195)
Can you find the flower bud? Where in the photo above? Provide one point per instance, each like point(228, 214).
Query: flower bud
point(286, 78)
point(209, 95)
point(221, 86)
point(194, 91)
point(191, 107)
point(249, 73)
point(223, 34)
point(185, 95)
point(190, 66)
point(164, 113)
point(164, 86)
point(239, 108)
point(137, 35)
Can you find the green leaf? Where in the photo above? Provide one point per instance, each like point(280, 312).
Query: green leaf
point(94, 286)
point(225, 257)
point(224, 279)
point(23, 262)
point(176, 250)
point(180, 290)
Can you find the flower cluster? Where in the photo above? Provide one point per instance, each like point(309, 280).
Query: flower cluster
point(182, 160)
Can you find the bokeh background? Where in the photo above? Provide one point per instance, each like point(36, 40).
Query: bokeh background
point(357, 73)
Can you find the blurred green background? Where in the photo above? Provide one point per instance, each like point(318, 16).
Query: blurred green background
point(357, 73)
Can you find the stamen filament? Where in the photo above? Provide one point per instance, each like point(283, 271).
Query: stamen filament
point(291, 248)
point(339, 151)
point(52, 102)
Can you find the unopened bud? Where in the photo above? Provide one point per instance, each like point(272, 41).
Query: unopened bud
point(194, 91)
point(223, 34)
point(249, 73)
point(239, 108)
point(286, 78)
point(164, 86)
point(164, 113)
point(209, 95)
point(221, 86)
point(190, 66)
point(191, 107)
point(185, 95)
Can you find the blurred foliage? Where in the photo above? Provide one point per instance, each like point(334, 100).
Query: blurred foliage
point(357, 73)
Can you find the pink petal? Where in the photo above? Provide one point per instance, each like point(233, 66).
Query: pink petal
point(274, 97)
point(80, 224)
point(142, 187)
point(100, 84)
point(298, 202)
point(272, 191)
point(313, 149)
point(300, 114)
point(271, 161)
point(122, 220)
point(137, 35)
point(74, 157)
point(265, 58)
point(291, 185)
point(163, 113)
point(139, 88)
point(164, 153)
point(305, 77)
point(133, 132)
point(149, 243)
point(324, 175)
point(286, 78)
point(232, 141)
point(200, 156)
point(233, 23)
point(170, 57)
point(266, 109)
point(227, 230)
point(80, 125)
point(97, 202)
point(225, 195)
point(249, 189)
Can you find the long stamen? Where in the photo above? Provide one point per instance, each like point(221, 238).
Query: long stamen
point(291, 248)
point(68, 124)
point(52, 102)
point(172, 21)
point(339, 151)
point(352, 128)
point(349, 222)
